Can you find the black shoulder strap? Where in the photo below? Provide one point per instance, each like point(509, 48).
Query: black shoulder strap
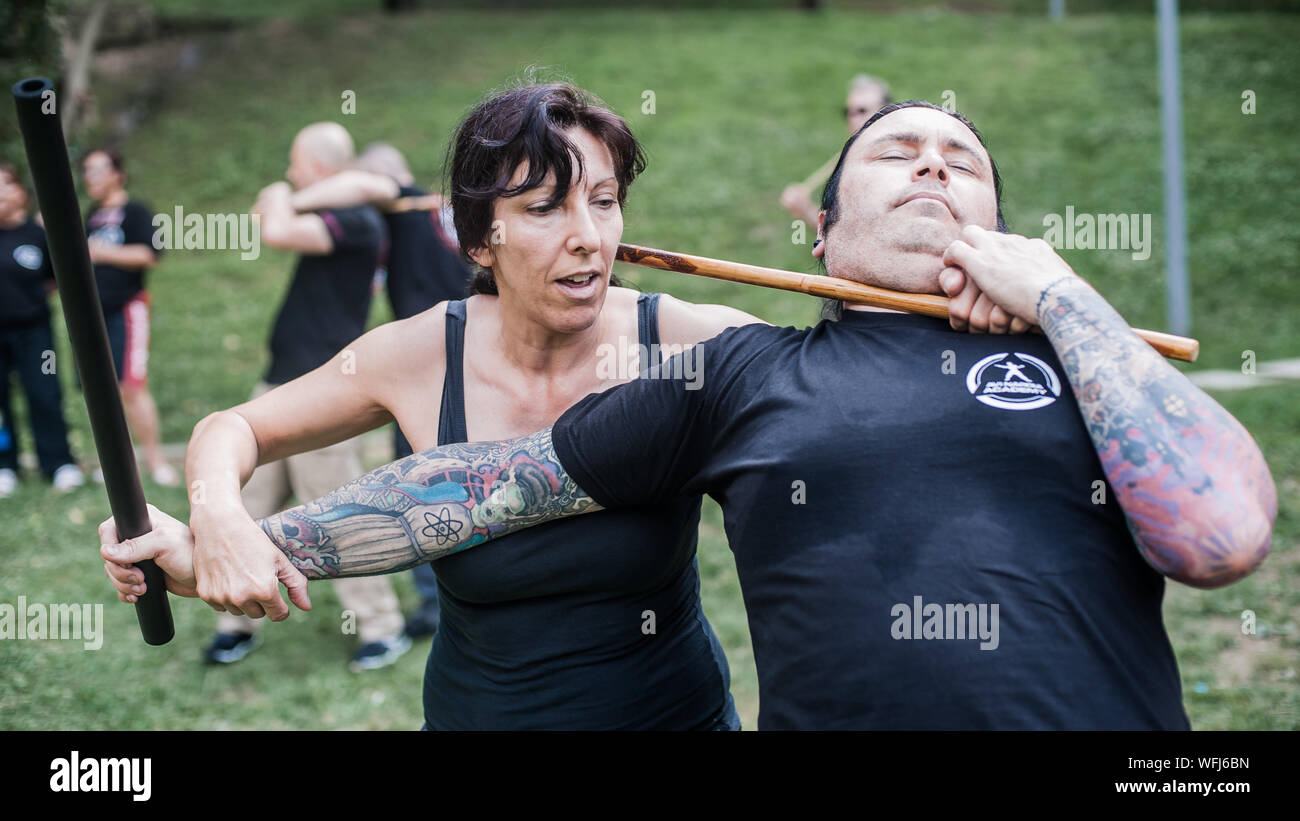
point(647, 322)
point(451, 420)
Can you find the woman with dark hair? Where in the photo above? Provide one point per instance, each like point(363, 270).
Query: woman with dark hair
point(587, 624)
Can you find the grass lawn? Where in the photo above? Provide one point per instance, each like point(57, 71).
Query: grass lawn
point(743, 104)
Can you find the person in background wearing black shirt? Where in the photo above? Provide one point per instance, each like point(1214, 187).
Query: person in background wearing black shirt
point(119, 232)
point(324, 310)
point(422, 270)
point(919, 545)
point(423, 266)
point(27, 345)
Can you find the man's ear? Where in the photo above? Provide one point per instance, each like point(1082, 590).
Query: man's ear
point(819, 247)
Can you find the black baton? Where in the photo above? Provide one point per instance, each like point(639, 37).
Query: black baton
point(47, 157)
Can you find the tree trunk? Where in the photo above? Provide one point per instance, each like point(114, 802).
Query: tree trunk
point(76, 87)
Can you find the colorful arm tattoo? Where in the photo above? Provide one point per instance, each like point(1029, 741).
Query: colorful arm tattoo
point(1197, 492)
point(427, 506)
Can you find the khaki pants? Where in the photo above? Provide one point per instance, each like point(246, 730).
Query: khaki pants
point(309, 476)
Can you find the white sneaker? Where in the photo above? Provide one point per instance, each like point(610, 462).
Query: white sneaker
point(68, 478)
point(8, 482)
point(166, 476)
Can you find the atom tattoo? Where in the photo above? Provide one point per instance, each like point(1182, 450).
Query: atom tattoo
point(442, 528)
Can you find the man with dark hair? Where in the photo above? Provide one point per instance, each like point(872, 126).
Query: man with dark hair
point(27, 344)
point(932, 529)
point(834, 309)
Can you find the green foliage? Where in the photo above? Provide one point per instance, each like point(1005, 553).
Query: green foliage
point(28, 46)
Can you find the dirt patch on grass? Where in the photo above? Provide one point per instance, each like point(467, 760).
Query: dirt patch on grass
point(1268, 656)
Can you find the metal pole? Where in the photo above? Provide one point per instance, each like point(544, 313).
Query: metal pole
point(1056, 9)
point(1171, 118)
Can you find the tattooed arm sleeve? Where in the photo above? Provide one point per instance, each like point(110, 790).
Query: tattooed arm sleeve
point(1197, 493)
point(427, 506)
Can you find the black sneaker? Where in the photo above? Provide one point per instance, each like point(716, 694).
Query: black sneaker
point(228, 648)
point(379, 653)
point(424, 621)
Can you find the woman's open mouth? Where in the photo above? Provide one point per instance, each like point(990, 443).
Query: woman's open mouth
point(580, 286)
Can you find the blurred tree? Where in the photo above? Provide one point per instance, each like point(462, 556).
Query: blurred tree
point(29, 45)
point(78, 52)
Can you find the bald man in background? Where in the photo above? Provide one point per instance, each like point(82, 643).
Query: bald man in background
point(324, 311)
point(423, 264)
point(423, 268)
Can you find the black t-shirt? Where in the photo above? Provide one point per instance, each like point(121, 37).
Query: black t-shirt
point(129, 224)
point(422, 271)
point(329, 298)
point(24, 270)
point(863, 486)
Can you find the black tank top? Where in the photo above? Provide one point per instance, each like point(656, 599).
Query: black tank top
point(591, 623)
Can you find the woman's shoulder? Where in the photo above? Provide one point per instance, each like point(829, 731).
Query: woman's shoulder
point(415, 339)
point(687, 323)
point(619, 296)
point(404, 355)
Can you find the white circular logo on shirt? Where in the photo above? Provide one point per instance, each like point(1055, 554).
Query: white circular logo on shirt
point(29, 256)
point(1013, 381)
